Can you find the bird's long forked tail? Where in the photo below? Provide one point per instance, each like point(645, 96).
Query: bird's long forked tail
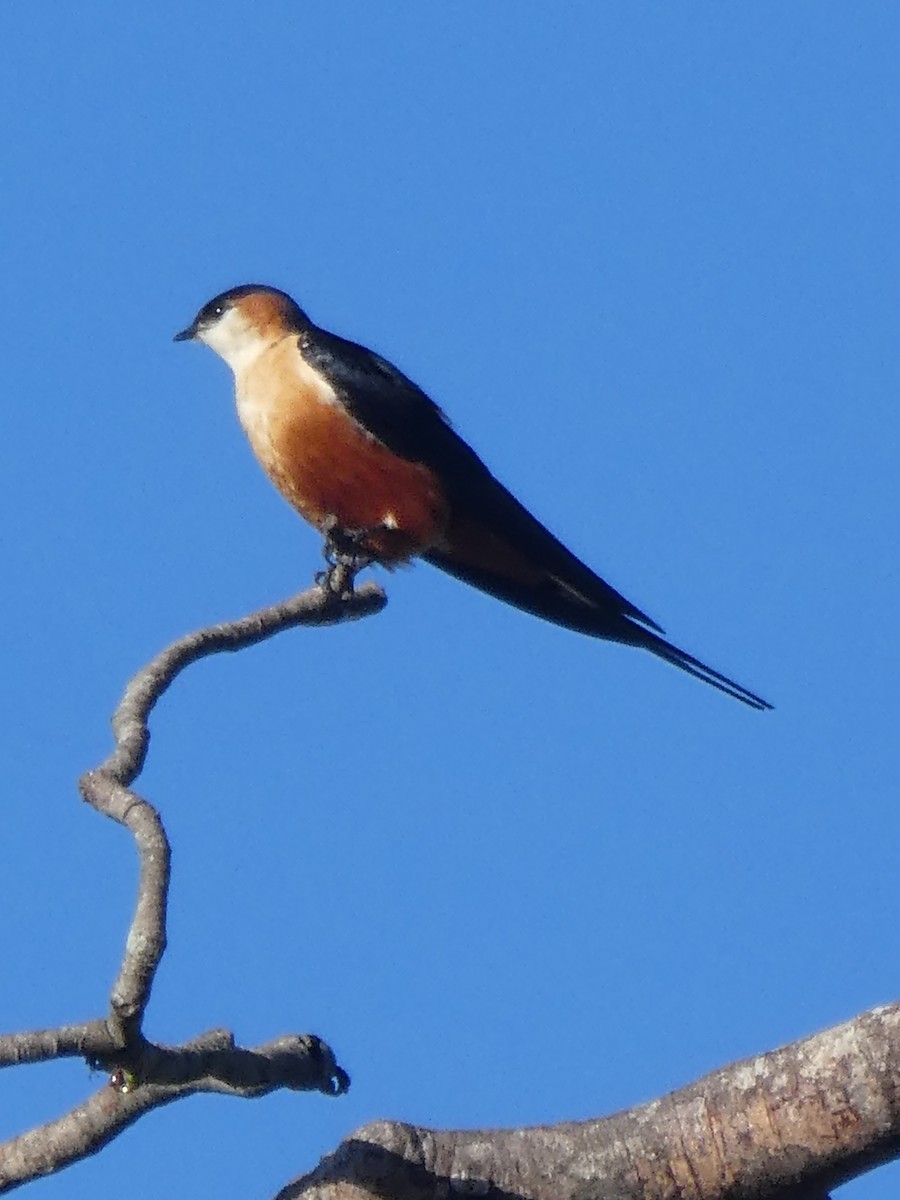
point(680, 658)
point(609, 617)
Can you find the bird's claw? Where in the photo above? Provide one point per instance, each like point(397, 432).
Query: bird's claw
point(345, 558)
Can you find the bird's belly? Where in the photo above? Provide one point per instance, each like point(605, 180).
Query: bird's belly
point(331, 471)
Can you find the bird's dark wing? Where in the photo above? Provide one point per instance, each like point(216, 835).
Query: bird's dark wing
point(493, 542)
point(401, 416)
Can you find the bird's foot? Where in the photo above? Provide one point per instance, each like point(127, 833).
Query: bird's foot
point(345, 557)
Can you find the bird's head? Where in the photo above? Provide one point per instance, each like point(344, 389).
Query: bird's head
point(243, 322)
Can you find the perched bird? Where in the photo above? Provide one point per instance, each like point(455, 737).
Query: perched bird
point(369, 460)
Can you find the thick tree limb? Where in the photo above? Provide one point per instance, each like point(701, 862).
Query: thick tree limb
point(143, 1075)
point(788, 1125)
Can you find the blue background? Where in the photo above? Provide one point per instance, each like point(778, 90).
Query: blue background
point(646, 255)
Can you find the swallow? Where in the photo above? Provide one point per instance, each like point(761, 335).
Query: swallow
point(373, 463)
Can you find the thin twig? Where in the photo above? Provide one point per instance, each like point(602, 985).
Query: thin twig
point(144, 1075)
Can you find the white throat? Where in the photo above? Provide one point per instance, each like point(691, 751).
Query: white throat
point(235, 339)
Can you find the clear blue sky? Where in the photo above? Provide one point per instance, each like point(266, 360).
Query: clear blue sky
point(646, 256)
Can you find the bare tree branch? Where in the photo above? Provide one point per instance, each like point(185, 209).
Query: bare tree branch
point(143, 1075)
point(791, 1125)
point(788, 1125)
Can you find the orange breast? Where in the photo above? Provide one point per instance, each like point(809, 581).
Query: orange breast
point(328, 467)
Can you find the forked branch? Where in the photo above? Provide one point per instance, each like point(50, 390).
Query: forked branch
point(788, 1125)
point(143, 1076)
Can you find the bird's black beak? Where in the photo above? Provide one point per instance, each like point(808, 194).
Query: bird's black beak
point(186, 335)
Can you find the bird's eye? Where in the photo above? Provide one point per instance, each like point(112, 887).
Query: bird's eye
point(212, 312)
